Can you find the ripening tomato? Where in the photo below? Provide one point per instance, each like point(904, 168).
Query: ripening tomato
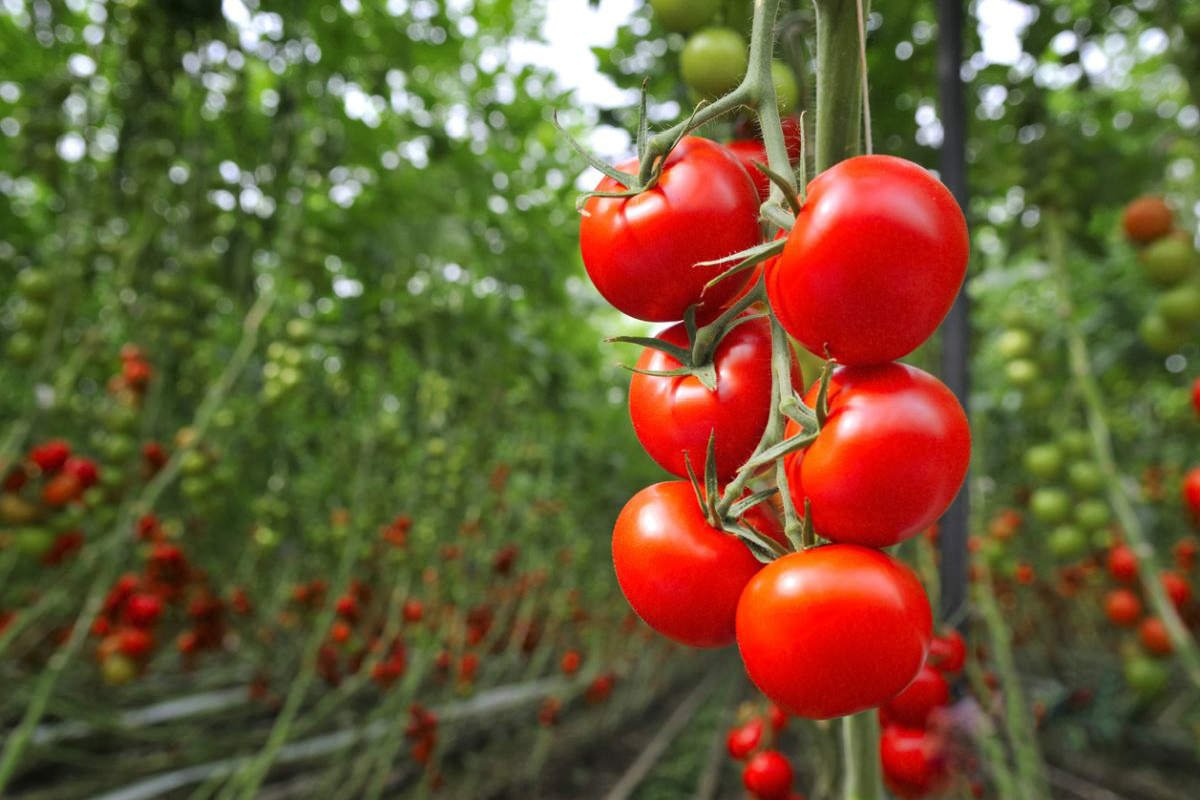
point(1122, 607)
point(743, 739)
point(61, 489)
point(682, 576)
point(1191, 494)
point(874, 262)
point(673, 417)
point(1177, 588)
point(912, 707)
point(1152, 633)
point(891, 457)
point(914, 765)
point(641, 251)
point(833, 630)
point(948, 652)
point(1146, 219)
point(1122, 564)
point(768, 776)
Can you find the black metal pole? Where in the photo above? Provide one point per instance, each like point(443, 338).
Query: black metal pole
point(956, 330)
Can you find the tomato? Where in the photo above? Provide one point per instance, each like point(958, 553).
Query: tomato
point(1050, 505)
point(948, 652)
point(1122, 564)
point(768, 776)
point(1092, 513)
point(1085, 476)
point(1015, 343)
point(1196, 395)
point(1146, 676)
point(61, 489)
point(713, 61)
point(641, 251)
point(570, 662)
point(117, 670)
point(673, 417)
point(913, 762)
point(1180, 306)
point(1022, 372)
point(143, 610)
point(890, 458)
point(912, 707)
point(787, 93)
point(1044, 461)
point(1122, 607)
point(1169, 260)
point(874, 262)
point(84, 470)
point(750, 151)
point(1075, 443)
point(682, 576)
point(1191, 493)
point(777, 716)
point(684, 15)
point(833, 630)
point(1177, 588)
point(743, 739)
point(1185, 554)
point(1152, 633)
point(1159, 335)
point(1147, 219)
point(51, 455)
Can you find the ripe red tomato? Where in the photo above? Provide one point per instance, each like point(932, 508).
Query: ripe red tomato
point(641, 251)
point(778, 717)
point(891, 457)
point(1185, 554)
point(912, 707)
point(948, 652)
point(1196, 395)
point(570, 662)
point(874, 262)
point(1177, 588)
point(1191, 494)
point(768, 776)
point(833, 630)
point(1152, 633)
point(682, 576)
point(674, 417)
point(1122, 563)
point(61, 489)
point(1146, 219)
point(142, 610)
point(743, 739)
point(749, 151)
point(51, 455)
point(913, 762)
point(1122, 607)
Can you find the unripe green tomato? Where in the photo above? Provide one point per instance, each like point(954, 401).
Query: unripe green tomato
point(1022, 371)
point(1092, 513)
point(714, 61)
point(193, 462)
point(1067, 541)
point(787, 93)
point(22, 347)
point(1050, 505)
point(112, 477)
point(300, 330)
point(194, 486)
point(1102, 539)
point(289, 377)
point(993, 552)
point(34, 284)
point(1044, 461)
point(272, 391)
point(293, 356)
point(1075, 442)
point(1147, 677)
point(117, 669)
point(1017, 315)
point(120, 418)
point(31, 316)
point(1014, 343)
point(32, 542)
point(1180, 307)
point(1160, 336)
point(1169, 260)
point(684, 16)
point(117, 447)
point(264, 537)
point(1085, 477)
point(1040, 395)
point(275, 351)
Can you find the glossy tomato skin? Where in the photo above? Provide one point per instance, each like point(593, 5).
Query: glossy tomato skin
point(913, 763)
point(948, 652)
point(889, 460)
point(833, 630)
point(874, 262)
point(641, 251)
point(1122, 564)
point(673, 417)
point(768, 776)
point(682, 576)
point(913, 706)
point(1122, 607)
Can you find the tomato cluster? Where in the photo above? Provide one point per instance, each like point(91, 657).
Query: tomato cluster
point(1169, 261)
point(766, 772)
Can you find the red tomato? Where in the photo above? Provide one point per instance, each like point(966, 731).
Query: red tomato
point(1185, 554)
point(1154, 637)
point(1122, 607)
point(413, 610)
point(833, 630)
point(1196, 395)
point(641, 251)
point(61, 489)
point(743, 739)
point(891, 457)
point(1177, 588)
point(778, 717)
point(143, 610)
point(674, 417)
point(768, 776)
point(1191, 494)
point(1122, 563)
point(84, 470)
point(913, 762)
point(570, 662)
point(51, 455)
point(912, 707)
point(682, 576)
point(749, 151)
point(948, 652)
point(874, 262)
point(1146, 219)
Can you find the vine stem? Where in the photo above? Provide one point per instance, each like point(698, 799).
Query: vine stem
point(860, 749)
point(1103, 453)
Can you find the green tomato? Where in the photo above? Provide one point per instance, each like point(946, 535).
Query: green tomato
point(1102, 539)
point(31, 316)
point(1044, 461)
point(1067, 541)
point(1085, 477)
point(32, 542)
point(1168, 261)
point(1022, 371)
point(1147, 677)
point(22, 347)
point(787, 93)
point(1180, 307)
point(714, 61)
point(193, 462)
point(1092, 513)
point(117, 447)
point(1075, 442)
point(684, 16)
point(34, 284)
point(1159, 335)
point(1050, 505)
point(299, 330)
point(1014, 343)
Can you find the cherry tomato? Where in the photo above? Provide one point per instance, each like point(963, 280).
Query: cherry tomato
point(948, 652)
point(913, 762)
point(1122, 607)
point(682, 576)
point(912, 707)
point(1196, 395)
point(891, 457)
point(1122, 564)
point(570, 662)
point(61, 489)
point(874, 262)
point(1177, 588)
point(833, 630)
point(713, 61)
point(743, 739)
point(51, 455)
point(1185, 554)
point(673, 417)
point(1147, 219)
point(1191, 494)
point(768, 776)
point(1169, 260)
point(1152, 633)
point(641, 251)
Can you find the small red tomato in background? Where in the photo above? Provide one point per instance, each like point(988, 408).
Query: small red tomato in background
point(1146, 219)
point(1152, 633)
point(1122, 564)
point(61, 489)
point(682, 576)
point(673, 417)
point(865, 613)
point(874, 262)
point(84, 470)
point(914, 765)
point(413, 610)
point(948, 652)
point(1122, 607)
point(51, 455)
point(777, 716)
point(1185, 554)
point(641, 252)
point(1177, 588)
point(1191, 494)
point(744, 739)
point(1196, 396)
point(768, 776)
point(142, 610)
point(912, 707)
point(570, 662)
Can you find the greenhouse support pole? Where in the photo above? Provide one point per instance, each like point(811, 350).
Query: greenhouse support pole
point(956, 330)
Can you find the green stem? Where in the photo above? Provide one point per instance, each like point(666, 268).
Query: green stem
point(839, 81)
point(1102, 451)
point(860, 748)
